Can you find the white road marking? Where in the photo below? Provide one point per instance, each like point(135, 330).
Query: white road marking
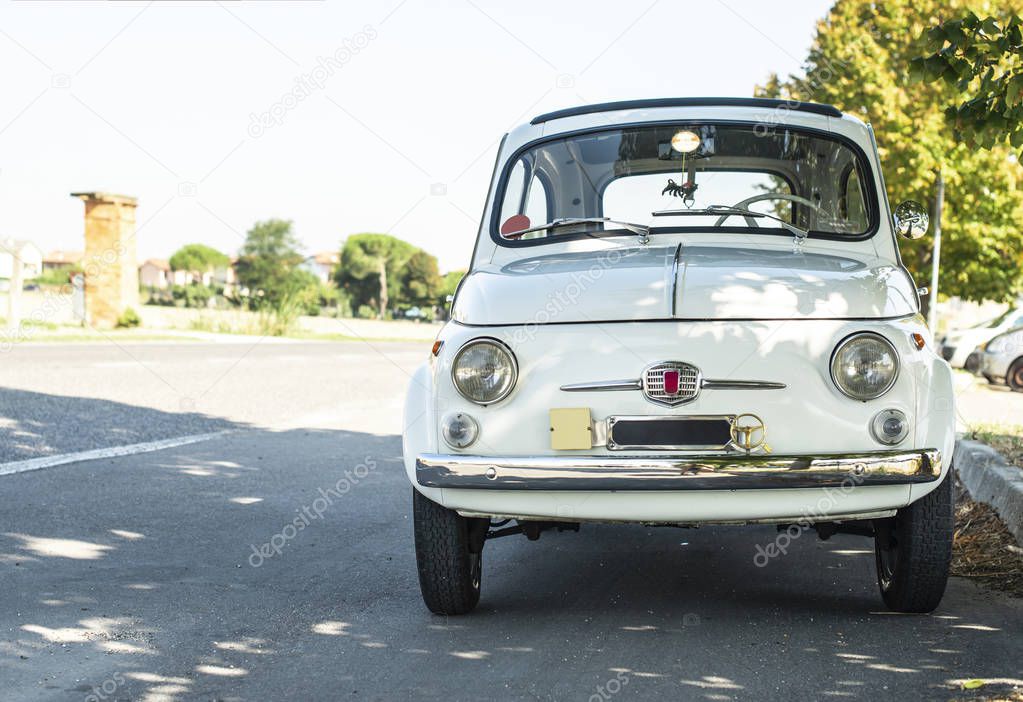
point(112, 452)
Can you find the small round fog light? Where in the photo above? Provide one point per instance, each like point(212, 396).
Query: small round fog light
point(889, 426)
point(459, 430)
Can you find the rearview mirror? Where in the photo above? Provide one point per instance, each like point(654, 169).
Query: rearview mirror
point(911, 219)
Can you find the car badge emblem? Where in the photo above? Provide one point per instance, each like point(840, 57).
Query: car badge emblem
point(671, 383)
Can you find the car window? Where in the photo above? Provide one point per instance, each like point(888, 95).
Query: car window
point(852, 207)
point(629, 198)
point(997, 321)
point(628, 173)
point(526, 194)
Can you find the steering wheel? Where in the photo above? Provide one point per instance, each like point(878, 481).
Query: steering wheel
point(760, 198)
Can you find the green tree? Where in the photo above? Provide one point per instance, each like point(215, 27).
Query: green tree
point(268, 266)
point(859, 61)
point(420, 279)
point(198, 258)
point(370, 267)
point(448, 286)
point(983, 60)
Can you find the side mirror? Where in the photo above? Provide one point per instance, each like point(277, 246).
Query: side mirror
point(911, 219)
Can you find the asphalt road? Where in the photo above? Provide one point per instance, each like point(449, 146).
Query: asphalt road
point(142, 577)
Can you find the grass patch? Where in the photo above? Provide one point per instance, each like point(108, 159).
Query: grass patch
point(1006, 439)
point(31, 324)
point(257, 328)
point(220, 325)
point(315, 336)
point(76, 334)
point(98, 338)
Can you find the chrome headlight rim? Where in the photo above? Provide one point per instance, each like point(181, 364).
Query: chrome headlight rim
point(878, 421)
point(493, 342)
point(877, 337)
point(446, 426)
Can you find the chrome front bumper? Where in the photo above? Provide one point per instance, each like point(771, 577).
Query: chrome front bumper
point(734, 472)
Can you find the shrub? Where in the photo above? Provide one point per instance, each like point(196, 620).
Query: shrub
point(129, 318)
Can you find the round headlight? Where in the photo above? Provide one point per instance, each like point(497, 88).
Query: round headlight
point(484, 371)
point(865, 366)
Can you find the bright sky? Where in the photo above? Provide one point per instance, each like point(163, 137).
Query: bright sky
point(402, 104)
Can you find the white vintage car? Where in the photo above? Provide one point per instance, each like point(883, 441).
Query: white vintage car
point(682, 312)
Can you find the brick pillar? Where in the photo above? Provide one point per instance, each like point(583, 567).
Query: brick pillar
point(111, 272)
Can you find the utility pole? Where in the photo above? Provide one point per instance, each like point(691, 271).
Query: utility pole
point(939, 201)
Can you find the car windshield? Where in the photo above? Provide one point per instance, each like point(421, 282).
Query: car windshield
point(997, 321)
point(812, 181)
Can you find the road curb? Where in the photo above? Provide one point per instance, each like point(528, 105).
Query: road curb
point(989, 478)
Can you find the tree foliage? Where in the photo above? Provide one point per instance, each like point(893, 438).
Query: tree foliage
point(859, 61)
point(983, 60)
point(198, 258)
point(420, 279)
point(268, 266)
point(449, 285)
point(381, 271)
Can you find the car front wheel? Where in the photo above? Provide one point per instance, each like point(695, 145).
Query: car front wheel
point(972, 364)
point(1014, 377)
point(914, 551)
point(449, 555)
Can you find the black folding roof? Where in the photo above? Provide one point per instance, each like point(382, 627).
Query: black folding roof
point(767, 103)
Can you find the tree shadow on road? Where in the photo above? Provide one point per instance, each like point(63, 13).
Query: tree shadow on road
point(39, 424)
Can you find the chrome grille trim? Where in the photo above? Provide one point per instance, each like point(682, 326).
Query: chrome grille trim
point(705, 384)
point(603, 385)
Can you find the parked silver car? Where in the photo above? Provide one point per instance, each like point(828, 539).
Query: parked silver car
point(959, 346)
point(1001, 359)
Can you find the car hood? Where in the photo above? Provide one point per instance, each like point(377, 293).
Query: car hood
point(971, 337)
point(687, 282)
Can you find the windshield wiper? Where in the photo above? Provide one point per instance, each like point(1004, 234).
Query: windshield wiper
point(642, 230)
point(726, 210)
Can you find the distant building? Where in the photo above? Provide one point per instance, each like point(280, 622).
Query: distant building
point(155, 273)
point(62, 259)
point(226, 276)
point(322, 265)
point(27, 253)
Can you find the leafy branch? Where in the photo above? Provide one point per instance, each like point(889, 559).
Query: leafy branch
point(983, 60)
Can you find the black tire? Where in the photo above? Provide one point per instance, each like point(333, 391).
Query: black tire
point(449, 555)
point(914, 550)
point(1014, 378)
point(972, 364)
